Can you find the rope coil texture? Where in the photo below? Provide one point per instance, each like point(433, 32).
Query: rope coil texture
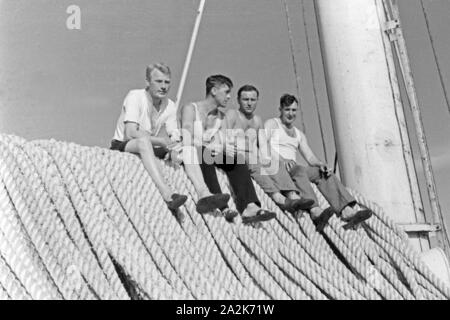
point(88, 223)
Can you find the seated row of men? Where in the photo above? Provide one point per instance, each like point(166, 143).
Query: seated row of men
point(210, 136)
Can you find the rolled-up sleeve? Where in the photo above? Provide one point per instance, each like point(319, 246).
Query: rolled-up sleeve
point(132, 108)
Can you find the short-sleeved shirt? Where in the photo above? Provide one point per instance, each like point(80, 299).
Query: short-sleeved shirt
point(138, 108)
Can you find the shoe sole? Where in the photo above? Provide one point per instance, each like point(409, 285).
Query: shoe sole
point(259, 217)
point(211, 203)
point(307, 204)
point(323, 219)
point(175, 204)
point(359, 217)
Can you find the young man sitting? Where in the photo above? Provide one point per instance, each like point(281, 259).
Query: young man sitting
point(147, 126)
point(249, 128)
point(286, 141)
point(203, 137)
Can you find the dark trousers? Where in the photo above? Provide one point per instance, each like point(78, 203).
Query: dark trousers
point(238, 174)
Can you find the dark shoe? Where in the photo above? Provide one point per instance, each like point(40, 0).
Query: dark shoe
point(230, 214)
point(177, 201)
point(358, 218)
point(293, 205)
point(210, 203)
point(261, 215)
point(179, 215)
point(323, 219)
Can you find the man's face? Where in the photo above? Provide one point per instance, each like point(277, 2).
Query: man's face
point(247, 102)
point(222, 95)
point(159, 84)
point(288, 114)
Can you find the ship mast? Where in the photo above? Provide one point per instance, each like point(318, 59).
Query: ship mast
point(369, 124)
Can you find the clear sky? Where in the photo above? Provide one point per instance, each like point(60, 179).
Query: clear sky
point(70, 84)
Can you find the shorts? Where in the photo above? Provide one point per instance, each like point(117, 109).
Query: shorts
point(120, 146)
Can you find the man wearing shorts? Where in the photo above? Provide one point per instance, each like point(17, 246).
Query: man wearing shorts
point(147, 126)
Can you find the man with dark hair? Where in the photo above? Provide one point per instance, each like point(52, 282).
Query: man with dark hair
point(286, 142)
point(148, 126)
point(217, 80)
point(204, 139)
point(248, 126)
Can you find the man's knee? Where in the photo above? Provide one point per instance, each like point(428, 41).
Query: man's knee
point(143, 145)
point(298, 171)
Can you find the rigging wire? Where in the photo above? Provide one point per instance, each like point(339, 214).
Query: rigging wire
point(438, 66)
point(294, 63)
point(313, 79)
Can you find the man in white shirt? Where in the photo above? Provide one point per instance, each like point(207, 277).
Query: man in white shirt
point(147, 126)
point(286, 141)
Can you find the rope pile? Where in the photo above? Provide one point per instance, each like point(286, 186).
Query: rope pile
point(88, 223)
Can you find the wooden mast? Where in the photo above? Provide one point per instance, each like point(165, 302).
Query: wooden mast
point(364, 108)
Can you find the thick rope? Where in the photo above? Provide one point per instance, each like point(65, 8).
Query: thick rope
point(72, 216)
point(17, 248)
point(91, 268)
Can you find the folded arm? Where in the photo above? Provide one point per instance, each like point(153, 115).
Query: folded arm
point(132, 132)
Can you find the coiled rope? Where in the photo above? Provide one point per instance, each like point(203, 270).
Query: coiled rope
point(89, 223)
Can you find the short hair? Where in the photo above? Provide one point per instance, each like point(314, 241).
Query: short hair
point(217, 80)
point(158, 66)
point(246, 88)
point(287, 99)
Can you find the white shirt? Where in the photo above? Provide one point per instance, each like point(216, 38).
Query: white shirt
point(138, 107)
point(283, 144)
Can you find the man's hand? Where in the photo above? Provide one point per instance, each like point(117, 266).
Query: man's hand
point(164, 142)
point(175, 146)
point(290, 164)
point(175, 152)
point(265, 160)
point(230, 150)
point(325, 171)
point(215, 148)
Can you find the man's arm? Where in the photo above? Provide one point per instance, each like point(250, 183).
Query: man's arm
point(132, 107)
point(229, 124)
point(269, 125)
point(307, 153)
point(187, 124)
point(262, 142)
point(132, 132)
point(230, 119)
point(172, 125)
point(311, 158)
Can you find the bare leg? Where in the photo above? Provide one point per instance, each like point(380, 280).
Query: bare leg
point(250, 210)
point(278, 198)
point(292, 195)
point(315, 212)
point(143, 147)
point(194, 173)
point(349, 211)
